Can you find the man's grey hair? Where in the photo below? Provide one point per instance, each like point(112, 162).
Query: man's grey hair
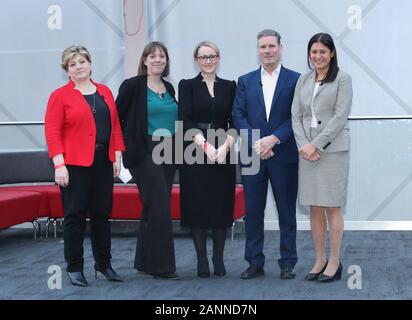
point(269, 33)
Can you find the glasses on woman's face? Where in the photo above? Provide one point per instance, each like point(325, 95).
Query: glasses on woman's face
point(212, 58)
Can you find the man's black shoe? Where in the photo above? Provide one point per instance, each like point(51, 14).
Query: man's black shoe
point(287, 273)
point(252, 272)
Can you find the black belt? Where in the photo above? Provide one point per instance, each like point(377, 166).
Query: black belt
point(210, 125)
point(100, 146)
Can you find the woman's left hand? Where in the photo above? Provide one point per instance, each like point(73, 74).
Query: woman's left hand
point(221, 153)
point(116, 165)
point(309, 152)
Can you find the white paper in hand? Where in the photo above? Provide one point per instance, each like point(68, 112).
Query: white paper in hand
point(124, 175)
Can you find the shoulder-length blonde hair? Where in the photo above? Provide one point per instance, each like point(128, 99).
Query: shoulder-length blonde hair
point(206, 44)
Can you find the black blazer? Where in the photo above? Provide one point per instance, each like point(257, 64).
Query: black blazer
point(196, 105)
point(131, 105)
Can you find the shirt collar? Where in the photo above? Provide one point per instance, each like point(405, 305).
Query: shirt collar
point(276, 72)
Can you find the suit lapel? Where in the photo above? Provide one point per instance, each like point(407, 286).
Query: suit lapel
point(311, 84)
point(258, 83)
point(323, 86)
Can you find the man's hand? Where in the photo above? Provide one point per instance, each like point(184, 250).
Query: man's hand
point(263, 147)
point(267, 156)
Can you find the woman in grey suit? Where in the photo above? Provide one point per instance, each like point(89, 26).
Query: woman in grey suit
point(320, 110)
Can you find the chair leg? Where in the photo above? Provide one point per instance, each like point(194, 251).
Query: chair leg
point(34, 230)
point(36, 225)
point(46, 234)
point(55, 228)
point(39, 224)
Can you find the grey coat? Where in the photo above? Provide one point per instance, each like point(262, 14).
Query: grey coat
point(332, 105)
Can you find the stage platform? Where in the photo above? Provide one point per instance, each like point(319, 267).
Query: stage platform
point(384, 258)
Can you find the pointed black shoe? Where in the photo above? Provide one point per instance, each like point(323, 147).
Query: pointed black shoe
point(337, 276)
point(203, 268)
point(219, 267)
point(109, 273)
point(166, 276)
point(77, 279)
point(313, 276)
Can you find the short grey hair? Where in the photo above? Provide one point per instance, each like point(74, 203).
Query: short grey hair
point(269, 33)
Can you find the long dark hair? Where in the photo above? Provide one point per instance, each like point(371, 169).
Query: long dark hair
point(326, 40)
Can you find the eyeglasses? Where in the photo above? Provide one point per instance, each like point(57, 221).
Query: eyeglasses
point(212, 58)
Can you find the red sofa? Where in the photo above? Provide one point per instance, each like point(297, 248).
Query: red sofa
point(24, 200)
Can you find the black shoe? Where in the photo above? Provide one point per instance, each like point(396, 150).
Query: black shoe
point(203, 268)
point(109, 273)
point(337, 276)
point(313, 276)
point(252, 272)
point(287, 273)
point(77, 279)
point(165, 276)
point(219, 267)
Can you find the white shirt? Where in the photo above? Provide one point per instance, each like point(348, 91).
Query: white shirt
point(269, 82)
point(314, 122)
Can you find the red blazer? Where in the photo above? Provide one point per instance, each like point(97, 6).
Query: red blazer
point(71, 129)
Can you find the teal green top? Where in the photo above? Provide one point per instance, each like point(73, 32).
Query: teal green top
point(162, 113)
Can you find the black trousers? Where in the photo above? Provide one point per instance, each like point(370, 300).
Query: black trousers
point(155, 251)
point(90, 192)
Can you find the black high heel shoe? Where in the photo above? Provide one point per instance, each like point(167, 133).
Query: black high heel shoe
point(313, 276)
point(109, 273)
point(219, 267)
point(77, 278)
point(337, 276)
point(203, 268)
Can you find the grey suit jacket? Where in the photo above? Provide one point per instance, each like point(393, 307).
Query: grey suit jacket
point(332, 105)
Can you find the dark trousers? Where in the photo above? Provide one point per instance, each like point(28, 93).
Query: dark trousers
point(155, 251)
point(283, 178)
point(90, 191)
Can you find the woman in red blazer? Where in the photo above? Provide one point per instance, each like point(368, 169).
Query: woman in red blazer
point(85, 141)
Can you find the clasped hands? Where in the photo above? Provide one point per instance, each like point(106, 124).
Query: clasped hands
point(263, 147)
point(216, 155)
point(309, 152)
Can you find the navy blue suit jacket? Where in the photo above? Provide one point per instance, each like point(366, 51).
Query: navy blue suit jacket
point(249, 112)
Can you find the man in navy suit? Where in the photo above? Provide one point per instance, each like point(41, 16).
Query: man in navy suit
point(263, 101)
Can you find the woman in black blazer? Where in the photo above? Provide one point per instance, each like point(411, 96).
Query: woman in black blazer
point(208, 188)
point(146, 104)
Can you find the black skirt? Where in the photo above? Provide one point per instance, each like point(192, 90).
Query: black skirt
point(207, 195)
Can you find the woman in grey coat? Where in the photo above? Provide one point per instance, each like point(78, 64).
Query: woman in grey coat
point(320, 110)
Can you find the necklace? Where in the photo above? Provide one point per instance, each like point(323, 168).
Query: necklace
point(161, 95)
point(93, 107)
point(156, 89)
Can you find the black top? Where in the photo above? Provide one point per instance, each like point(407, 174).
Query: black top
point(101, 116)
point(198, 106)
point(131, 105)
